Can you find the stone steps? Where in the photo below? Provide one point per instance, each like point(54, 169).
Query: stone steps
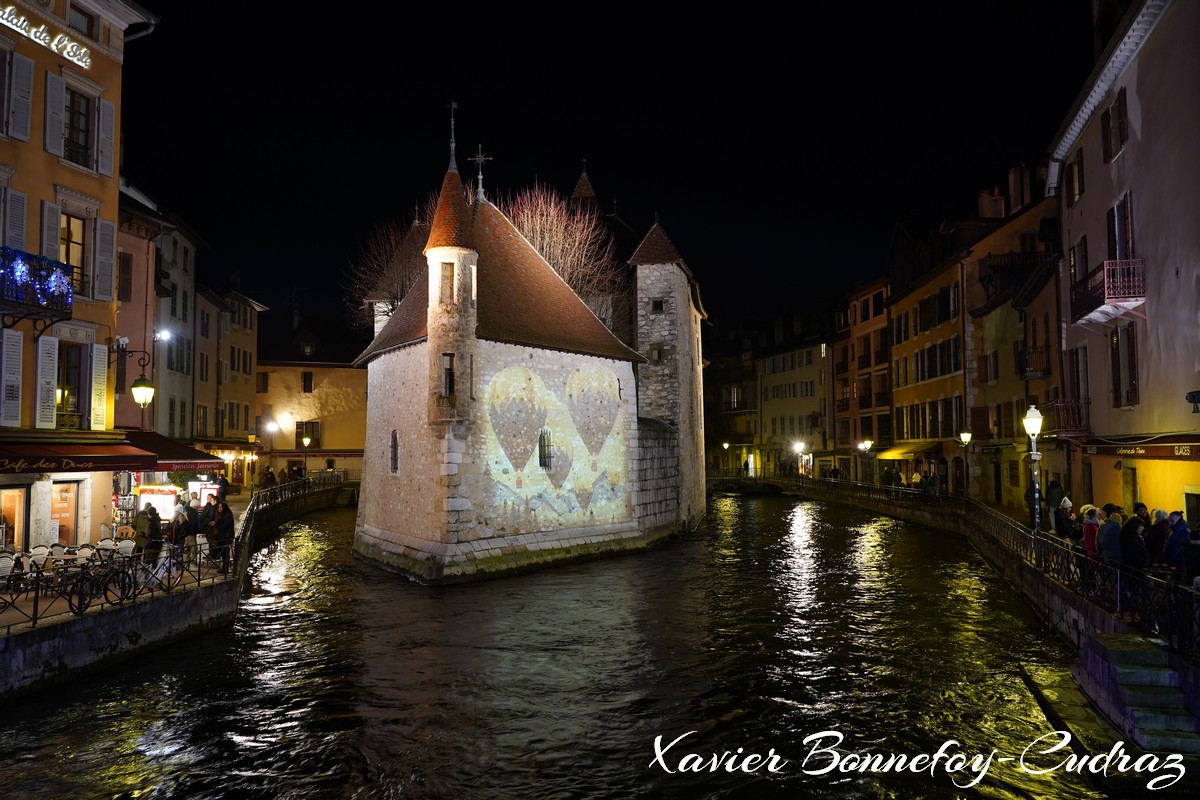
point(1137, 686)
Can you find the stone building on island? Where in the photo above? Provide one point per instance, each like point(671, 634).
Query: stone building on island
point(507, 427)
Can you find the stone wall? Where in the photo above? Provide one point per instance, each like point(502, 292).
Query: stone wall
point(658, 477)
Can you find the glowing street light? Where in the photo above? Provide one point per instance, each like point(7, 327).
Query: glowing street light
point(965, 438)
point(1033, 426)
point(307, 441)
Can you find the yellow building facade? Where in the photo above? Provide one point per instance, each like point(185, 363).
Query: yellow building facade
point(59, 189)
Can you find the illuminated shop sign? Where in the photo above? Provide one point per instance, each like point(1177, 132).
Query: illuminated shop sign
point(1184, 451)
point(60, 43)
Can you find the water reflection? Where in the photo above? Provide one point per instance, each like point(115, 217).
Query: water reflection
point(778, 620)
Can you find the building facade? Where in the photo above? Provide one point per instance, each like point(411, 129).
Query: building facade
point(60, 194)
point(1126, 172)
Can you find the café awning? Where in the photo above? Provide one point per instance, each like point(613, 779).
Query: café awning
point(172, 456)
point(17, 457)
point(911, 448)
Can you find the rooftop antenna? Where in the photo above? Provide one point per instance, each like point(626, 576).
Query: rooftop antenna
point(479, 158)
point(453, 162)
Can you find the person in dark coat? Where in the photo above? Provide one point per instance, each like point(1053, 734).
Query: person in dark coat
point(222, 527)
point(154, 535)
point(222, 488)
point(1156, 535)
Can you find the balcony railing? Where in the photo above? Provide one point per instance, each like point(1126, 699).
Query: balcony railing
point(1109, 290)
point(841, 405)
point(1065, 417)
point(864, 361)
point(1035, 363)
point(882, 399)
point(880, 357)
point(864, 400)
point(34, 287)
point(841, 367)
point(736, 406)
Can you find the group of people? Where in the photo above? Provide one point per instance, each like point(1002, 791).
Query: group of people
point(189, 519)
point(1145, 539)
point(924, 481)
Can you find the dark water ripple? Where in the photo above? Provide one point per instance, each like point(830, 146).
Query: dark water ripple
point(778, 620)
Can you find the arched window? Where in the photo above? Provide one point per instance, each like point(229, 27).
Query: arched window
point(395, 454)
point(544, 449)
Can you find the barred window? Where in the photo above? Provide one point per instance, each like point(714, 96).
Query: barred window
point(544, 449)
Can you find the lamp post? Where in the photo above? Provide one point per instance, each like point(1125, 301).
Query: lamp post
point(307, 441)
point(864, 446)
point(799, 448)
point(965, 438)
point(141, 389)
point(1033, 426)
point(725, 464)
point(272, 427)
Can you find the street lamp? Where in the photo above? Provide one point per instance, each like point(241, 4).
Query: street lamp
point(864, 446)
point(307, 441)
point(799, 448)
point(141, 389)
point(965, 438)
point(1033, 426)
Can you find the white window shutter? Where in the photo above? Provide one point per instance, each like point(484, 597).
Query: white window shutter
point(108, 124)
point(45, 405)
point(51, 229)
point(106, 259)
point(56, 112)
point(20, 115)
point(99, 409)
point(14, 219)
point(10, 377)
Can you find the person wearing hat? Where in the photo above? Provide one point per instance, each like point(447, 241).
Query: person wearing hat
point(1156, 535)
point(1108, 538)
point(1064, 520)
point(1179, 538)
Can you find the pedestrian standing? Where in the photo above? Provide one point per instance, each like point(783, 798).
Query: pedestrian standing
point(222, 527)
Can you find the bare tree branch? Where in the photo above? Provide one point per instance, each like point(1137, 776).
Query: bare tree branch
point(388, 263)
point(573, 240)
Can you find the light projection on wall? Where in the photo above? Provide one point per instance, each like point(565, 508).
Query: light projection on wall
point(585, 482)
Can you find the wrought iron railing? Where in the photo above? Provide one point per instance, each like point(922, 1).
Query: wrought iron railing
point(1157, 601)
point(32, 285)
point(1120, 281)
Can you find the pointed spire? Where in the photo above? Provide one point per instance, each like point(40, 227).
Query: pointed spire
point(479, 158)
point(453, 161)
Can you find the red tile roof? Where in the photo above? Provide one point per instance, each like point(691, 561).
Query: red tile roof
point(520, 299)
point(657, 248)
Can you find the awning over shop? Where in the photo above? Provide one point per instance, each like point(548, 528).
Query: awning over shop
point(56, 457)
point(172, 456)
point(910, 449)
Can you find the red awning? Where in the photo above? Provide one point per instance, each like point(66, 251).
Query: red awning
point(53, 457)
point(172, 456)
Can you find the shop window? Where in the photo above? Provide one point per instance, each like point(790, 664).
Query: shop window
point(12, 518)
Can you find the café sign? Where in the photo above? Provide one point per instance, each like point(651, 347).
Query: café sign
point(1180, 451)
point(60, 43)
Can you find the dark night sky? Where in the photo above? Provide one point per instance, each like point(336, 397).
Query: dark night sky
point(777, 154)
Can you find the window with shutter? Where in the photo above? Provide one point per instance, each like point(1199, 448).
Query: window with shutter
point(1106, 135)
point(125, 277)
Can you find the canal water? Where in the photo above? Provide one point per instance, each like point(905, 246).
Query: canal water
point(791, 635)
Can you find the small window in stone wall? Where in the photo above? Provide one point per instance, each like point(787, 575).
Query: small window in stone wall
point(395, 454)
point(656, 354)
point(544, 449)
point(658, 306)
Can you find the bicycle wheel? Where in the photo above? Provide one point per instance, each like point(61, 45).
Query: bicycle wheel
point(80, 593)
point(118, 587)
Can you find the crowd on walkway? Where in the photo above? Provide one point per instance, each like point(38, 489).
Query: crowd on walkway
point(1145, 539)
point(157, 539)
